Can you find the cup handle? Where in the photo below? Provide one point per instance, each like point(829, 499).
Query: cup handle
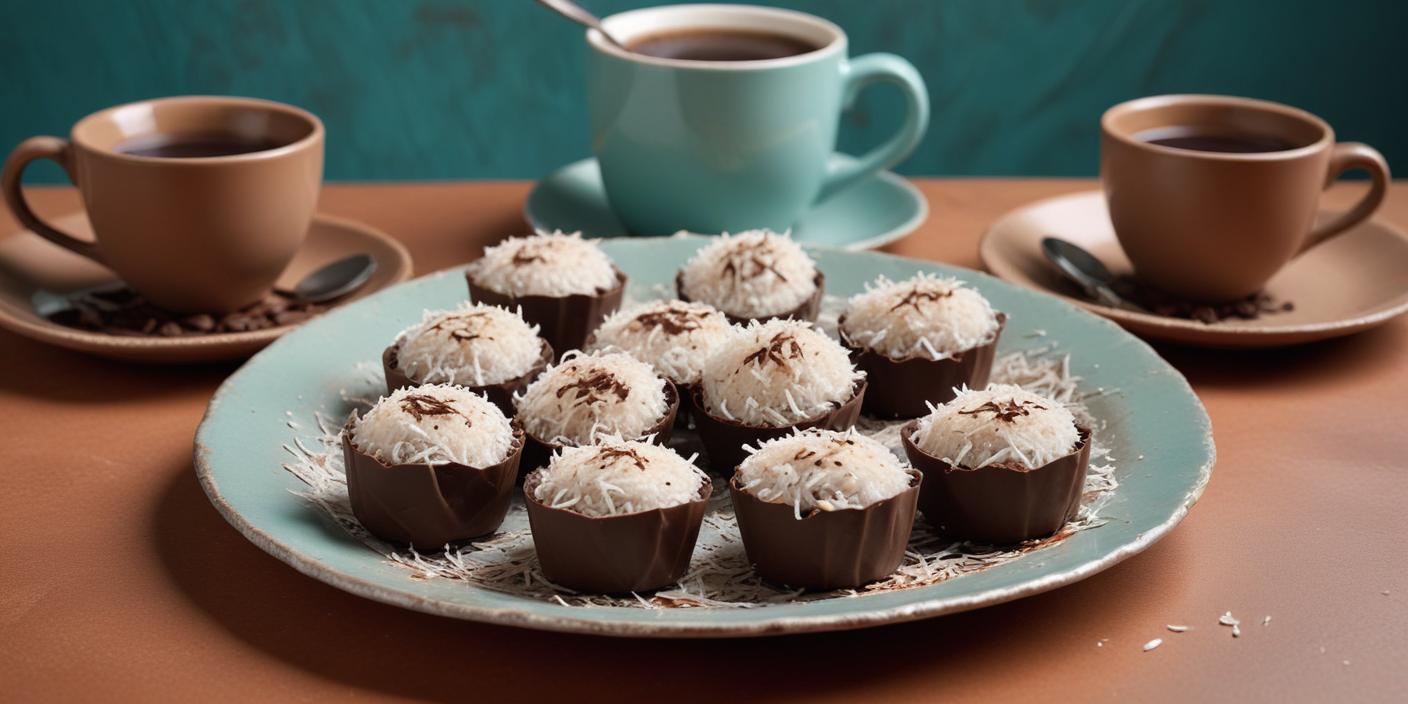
point(1346, 156)
point(858, 74)
point(60, 151)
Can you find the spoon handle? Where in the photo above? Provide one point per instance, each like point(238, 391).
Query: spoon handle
point(580, 15)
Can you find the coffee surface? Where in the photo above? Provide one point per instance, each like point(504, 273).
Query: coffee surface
point(1200, 140)
point(720, 45)
point(191, 146)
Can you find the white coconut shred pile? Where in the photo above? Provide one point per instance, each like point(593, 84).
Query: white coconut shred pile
point(616, 477)
point(927, 316)
point(752, 274)
point(546, 264)
point(473, 345)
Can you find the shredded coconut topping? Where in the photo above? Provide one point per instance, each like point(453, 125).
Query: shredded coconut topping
point(753, 274)
point(673, 336)
point(616, 477)
point(434, 424)
point(1002, 424)
point(546, 264)
point(591, 395)
point(823, 470)
point(776, 374)
point(473, 345)
point(929, 316)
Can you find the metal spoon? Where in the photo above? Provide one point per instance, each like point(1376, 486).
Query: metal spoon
point(576, 13)
point(333, 280)
point(1086, 271)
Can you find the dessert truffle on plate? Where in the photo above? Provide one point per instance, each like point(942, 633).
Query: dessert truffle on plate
point(588, 396)
point(1001, 465)
point(675, 337)
point(753, 275)
point(564, 284)
point(431, 465)
point(918, 340)
point(769, 379)
point(618, 516)
point(824, 509)
point(486, 349)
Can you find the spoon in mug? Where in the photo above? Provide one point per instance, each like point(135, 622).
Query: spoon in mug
point(1086, 271)
point(333, 280)
point(578, 14)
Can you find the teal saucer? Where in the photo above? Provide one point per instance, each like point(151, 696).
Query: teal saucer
point(874, 212)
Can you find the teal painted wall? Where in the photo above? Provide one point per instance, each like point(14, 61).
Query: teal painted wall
point(443, 89)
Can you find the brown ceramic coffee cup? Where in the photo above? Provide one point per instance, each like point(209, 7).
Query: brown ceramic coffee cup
point(207, 226)
point(1209, 224)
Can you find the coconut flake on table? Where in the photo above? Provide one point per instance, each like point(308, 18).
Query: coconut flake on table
point(826, 470)
point(1002, 424)
point(934, 317)
point(434, 424)
point(473, 345)
point(753, 274)
point(545, 264)
point(675, 337)
point(776, 374)
point(617, 477)
point(588, 395)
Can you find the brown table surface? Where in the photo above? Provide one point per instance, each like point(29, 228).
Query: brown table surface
point(118, 580)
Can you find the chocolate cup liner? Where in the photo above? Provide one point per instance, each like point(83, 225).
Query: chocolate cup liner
point(537, 453)
point(807, 311)
point(635, 552)
point(1001, 504)
point(428, 506)
point(500, 394)
point(564, 321)
point(902, 388)
point(724, 439)
point(825, 549)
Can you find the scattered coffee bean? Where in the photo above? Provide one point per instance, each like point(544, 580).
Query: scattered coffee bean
point(124, 312)
point(1159, 303)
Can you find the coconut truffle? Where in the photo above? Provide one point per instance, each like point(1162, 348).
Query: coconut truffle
point(675, 337)
point(825, 470)
point(617, 477)
point(927, 316)
point(473, 345)
point(545, 264)
point(434, 424)
point(753, 274)
point(592, 395)
point(777, 374)
point(1002, 424)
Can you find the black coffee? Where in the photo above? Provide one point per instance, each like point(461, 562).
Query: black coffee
point(720, 45)
point(1199, 140)
point(190, 146)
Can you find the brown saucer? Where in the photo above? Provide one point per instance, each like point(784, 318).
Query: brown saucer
point(500, 395)
point(36, 277)
point(564, 321)
point(536, 453)
point(724, 439)
point(903, 388)
point(807, 311)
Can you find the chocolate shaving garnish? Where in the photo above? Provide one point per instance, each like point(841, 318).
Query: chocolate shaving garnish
point(419, 406)
point(753, 250)
point(672, 320)
point(1006, 411)
point(780, 343)
point(611, 454)
point(915, 296)
point(593, 388)
point(525, 256)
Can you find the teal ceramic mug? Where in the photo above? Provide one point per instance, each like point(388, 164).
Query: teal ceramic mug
point(716, 146)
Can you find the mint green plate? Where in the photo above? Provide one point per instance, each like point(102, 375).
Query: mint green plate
point(1156, 429)
point(876, 211)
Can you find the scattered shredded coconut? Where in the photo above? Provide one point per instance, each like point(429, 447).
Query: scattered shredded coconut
point(434, 424)
point(616, 477)
point(753, 274)
point(675, 337)
point(1265, 620)
point(1002, 424)
point(826, 470)
point(473, 345)
point(546, 264)
point(591, 395)
point(1177, 629)
point(1227, 619)
point(1153, 644)
point(776, 374)
point(927, 316)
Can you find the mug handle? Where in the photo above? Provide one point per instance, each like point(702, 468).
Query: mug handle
point(858, 74)
point(1343, 157)
point(60, 151)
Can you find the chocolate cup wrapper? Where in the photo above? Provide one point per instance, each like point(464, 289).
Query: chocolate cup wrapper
point(807, 311)
point(428, 506)
point(724, 439)
point(500, 394)
point(564, 321)
point(901, 388)
point(825, 549)
point(999, 505)
point(537, 453)
point(615, 554)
